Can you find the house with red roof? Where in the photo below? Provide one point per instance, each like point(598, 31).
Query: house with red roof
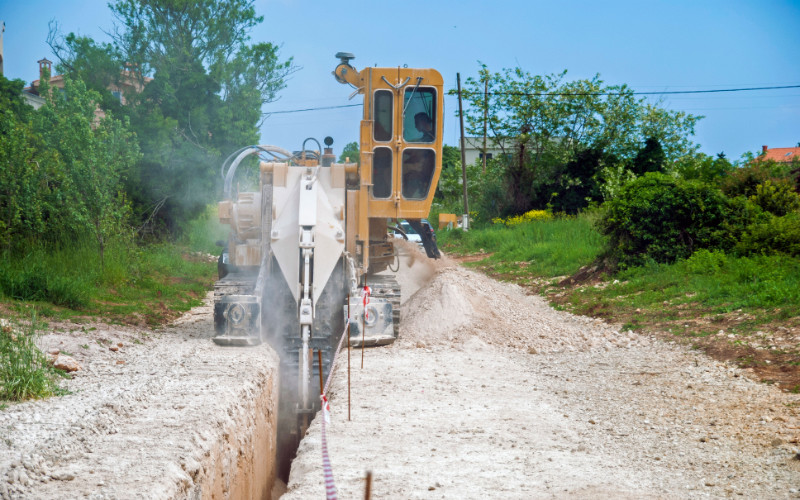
point(780, 155)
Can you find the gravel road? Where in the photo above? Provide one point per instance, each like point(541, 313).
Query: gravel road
point(490, 393)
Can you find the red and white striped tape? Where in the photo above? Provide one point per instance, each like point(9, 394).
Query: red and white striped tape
point(327, 469)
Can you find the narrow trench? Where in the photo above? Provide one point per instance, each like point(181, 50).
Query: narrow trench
point(289, 431)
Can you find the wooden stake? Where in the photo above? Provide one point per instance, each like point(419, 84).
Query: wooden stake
point(368, 490)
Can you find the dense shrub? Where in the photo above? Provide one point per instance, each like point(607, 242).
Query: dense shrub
point(740, 214)
point(660, 218)
point(777, 198)
point(61, 169)
point(744, 181)
point(778, 235)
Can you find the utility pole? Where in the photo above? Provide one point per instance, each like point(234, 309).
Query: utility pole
point(465, 218)
point(485, 116)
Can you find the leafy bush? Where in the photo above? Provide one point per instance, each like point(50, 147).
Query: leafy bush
point(708, 262)
point(659, 218)
point(61, 170)
point(776, 197)
point(744, 181)
point(778, 235)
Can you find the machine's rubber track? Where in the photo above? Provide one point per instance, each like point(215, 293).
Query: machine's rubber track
point(386, 286)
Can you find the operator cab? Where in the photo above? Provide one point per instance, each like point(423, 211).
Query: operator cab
point(418, 143)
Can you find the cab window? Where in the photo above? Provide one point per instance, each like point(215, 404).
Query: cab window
point(418, 168)
point(419, 117)
point(382, 124)
point(382, 173)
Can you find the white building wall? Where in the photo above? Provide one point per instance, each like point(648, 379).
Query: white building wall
point(474, 148)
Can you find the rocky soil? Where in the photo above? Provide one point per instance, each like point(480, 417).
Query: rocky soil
point(149, 415)
point(490, 393)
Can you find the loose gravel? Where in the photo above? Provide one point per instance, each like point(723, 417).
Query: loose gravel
point(490, 393)
point(151, 415)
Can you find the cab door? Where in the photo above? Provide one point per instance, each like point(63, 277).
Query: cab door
point(384, 153)
point(403, 133)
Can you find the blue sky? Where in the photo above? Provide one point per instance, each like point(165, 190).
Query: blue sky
point(649, 45)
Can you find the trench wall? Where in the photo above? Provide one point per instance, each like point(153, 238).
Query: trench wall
point(240, 464)
point(163, 415)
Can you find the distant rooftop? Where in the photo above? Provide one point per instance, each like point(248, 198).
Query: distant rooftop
point(780, 154)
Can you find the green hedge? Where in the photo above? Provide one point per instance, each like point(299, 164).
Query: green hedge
point(660, 218)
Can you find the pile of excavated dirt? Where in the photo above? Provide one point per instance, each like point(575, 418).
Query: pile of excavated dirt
point(164, 414)
point(490, 393)
point(457, 305)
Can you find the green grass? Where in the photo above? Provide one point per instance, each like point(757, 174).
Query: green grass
point(24, 371)
point(135, 284)
point(41, 275)
point(165, 278)
point(765, 287)
point(535, 249)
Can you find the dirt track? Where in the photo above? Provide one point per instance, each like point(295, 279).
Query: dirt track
point(492, 394)
point(489, 393)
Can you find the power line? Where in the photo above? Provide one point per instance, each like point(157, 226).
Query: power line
point(717, 90)
point(311, 109)
point(563, 94)
point(663, 92)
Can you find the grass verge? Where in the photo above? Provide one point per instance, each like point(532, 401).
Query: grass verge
point(143, 285)
point(740, 309)
point(136, 285)
point(536, 249)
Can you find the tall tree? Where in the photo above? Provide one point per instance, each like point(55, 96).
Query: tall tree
point(204, 85)
point(650, 158)
point(98, 66)
point(562, 134)
point(563, 117)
